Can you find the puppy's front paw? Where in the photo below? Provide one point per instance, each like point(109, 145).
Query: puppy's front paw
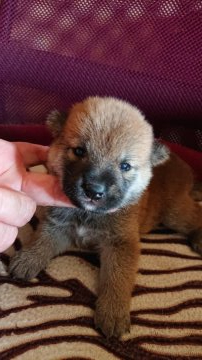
point(26, 265)
point(112, 317)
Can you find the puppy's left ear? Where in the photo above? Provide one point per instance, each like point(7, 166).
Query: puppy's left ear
point(55, 122)
point(160, 153)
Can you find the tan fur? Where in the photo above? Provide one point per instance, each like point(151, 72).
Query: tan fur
point(112, 130)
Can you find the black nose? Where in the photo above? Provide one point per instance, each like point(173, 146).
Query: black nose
point(94, 191)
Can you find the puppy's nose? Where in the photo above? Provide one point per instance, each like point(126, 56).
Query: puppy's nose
point(94, 191)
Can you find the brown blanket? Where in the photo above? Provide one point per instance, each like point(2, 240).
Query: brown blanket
point(51, 317)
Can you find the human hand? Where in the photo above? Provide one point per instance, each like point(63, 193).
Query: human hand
point(21, 191)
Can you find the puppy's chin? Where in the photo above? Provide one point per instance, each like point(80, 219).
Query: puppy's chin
point(99, 210)
point(96, 206)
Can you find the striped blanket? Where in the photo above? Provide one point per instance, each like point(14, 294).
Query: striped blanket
point(51, 317)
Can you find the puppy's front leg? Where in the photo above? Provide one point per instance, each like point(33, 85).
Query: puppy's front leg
point(27, 263)
point(119, 262)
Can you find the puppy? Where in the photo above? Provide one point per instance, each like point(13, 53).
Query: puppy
point(122, 183)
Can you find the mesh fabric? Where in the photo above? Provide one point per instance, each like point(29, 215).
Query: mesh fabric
point(53, 53)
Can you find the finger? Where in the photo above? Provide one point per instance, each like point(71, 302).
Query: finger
point(45, 190)
point(8, 235)
point(8, 155)
point(32, 154)
point(16, 208)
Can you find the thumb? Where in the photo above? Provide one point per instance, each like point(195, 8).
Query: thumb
point(45, 190)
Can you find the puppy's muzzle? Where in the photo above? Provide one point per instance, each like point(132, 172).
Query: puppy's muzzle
point(94, 190)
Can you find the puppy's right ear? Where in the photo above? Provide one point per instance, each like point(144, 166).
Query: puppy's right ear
point(55, 122)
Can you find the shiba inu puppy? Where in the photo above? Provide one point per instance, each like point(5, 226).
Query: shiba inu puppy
point(122, 183)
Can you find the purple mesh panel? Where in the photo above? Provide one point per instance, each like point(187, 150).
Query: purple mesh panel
point(53, 53)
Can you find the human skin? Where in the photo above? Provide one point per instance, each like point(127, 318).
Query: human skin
point(21, 191)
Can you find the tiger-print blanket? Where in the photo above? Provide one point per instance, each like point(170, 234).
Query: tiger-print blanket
point(51, 317)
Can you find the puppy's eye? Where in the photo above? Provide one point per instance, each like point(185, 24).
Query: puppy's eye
point(79, 151)
point(124, 166)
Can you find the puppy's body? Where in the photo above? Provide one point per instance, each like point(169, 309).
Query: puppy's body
point(105, 155)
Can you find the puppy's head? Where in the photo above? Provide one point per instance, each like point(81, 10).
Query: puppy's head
point(103, 153)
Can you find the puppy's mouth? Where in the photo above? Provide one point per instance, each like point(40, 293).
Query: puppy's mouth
point(82, 201)
point(98, 206)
